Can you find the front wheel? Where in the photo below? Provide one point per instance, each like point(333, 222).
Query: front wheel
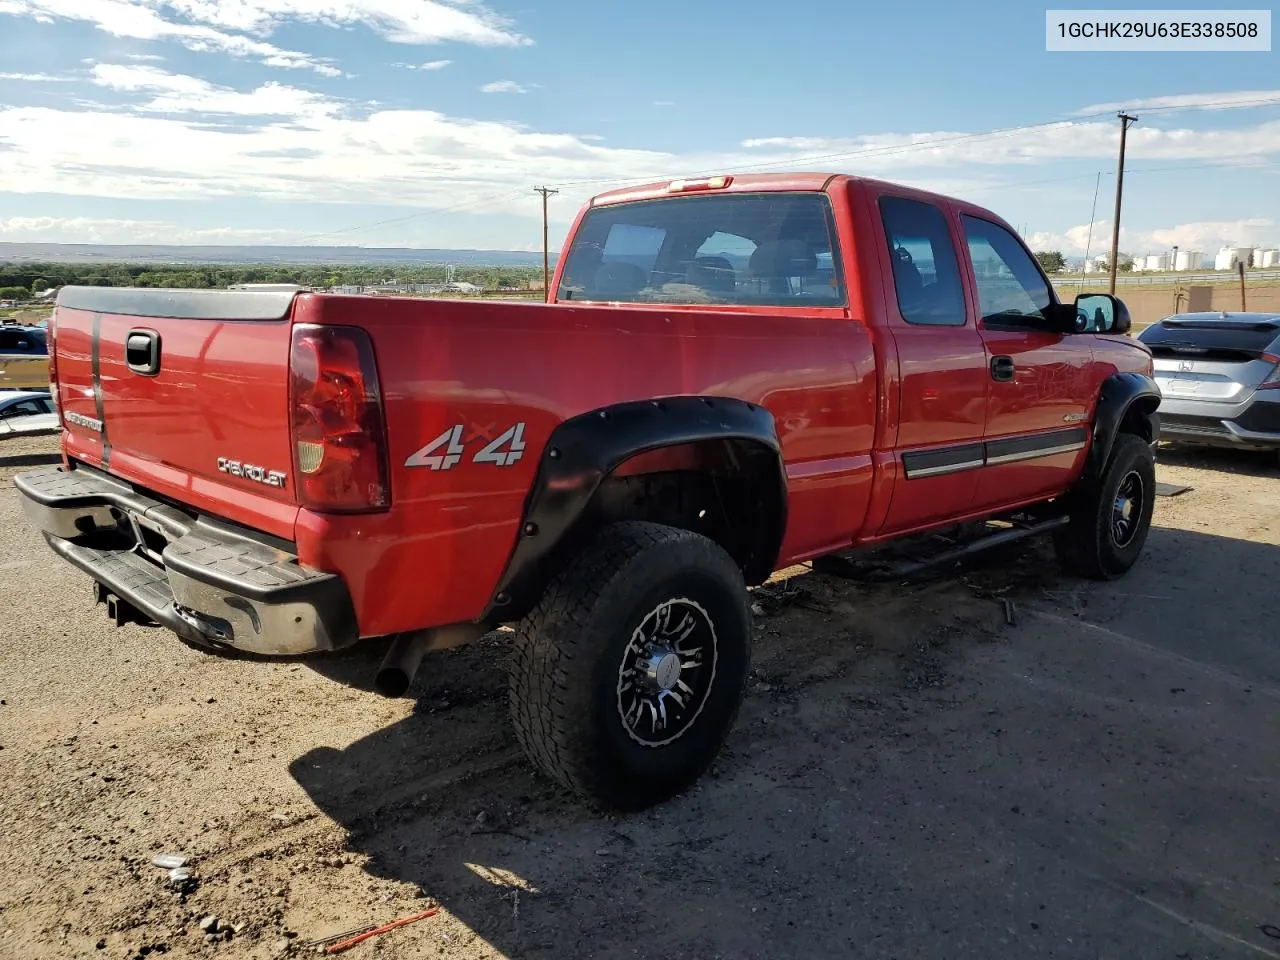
point(628, 675)
point(1111, 515)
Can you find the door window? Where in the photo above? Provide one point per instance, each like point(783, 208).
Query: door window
point(1010, 285)
point(926, 271)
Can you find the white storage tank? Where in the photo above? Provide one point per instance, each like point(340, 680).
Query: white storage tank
point(1225, 260)
point(1159, 261)
point(1188, 260)
point(1269, 258)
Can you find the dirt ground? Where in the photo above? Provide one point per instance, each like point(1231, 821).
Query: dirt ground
point(912, 775)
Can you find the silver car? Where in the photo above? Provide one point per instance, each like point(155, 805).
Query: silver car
point(25, 412)
point(1220, 376)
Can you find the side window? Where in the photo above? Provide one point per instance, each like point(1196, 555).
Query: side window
point(23, 408)
point(1009, 283)
point(926, 271)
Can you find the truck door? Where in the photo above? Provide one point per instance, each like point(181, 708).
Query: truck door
point(942, 370)
point(1039, 392)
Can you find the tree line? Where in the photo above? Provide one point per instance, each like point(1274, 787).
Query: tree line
point(21, 280)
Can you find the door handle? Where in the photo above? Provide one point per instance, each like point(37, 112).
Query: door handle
point(142, 352)
point(1002, 368)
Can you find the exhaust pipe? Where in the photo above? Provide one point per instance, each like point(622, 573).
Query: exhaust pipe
point(407, 650)
point(401, 663)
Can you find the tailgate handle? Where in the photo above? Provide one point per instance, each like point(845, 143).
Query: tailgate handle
point(142, 352)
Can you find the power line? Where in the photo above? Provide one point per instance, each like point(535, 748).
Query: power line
point(464, 205)
point(892, 149)
point(876, 151)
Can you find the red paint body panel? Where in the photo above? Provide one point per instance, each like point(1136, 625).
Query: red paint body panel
point(221, 392)
point(450, 532)
point(851, 389)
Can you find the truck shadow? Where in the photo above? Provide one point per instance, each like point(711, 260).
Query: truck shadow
point(28, 459)
point(865, 712)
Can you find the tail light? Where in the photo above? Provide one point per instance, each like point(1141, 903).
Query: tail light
point(337, 424)
point(1273, 378)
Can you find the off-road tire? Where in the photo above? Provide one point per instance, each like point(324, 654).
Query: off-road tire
point(1089, 545)
point(565, 666)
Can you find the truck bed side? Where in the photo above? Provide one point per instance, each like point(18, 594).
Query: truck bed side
point(488, 367)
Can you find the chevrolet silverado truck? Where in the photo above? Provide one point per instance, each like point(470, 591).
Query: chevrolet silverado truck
point(731, 376)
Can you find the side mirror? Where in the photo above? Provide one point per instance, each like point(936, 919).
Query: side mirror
point(1101, 313)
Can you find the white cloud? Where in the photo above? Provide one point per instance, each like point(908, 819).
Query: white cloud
point(1204, 235)
point(429, 65)
point(400, 21)
point(183, 94)
point(503, 86)
point(236, 27)
point(325, 154)
point(122, 18)
point(36, 77)
point(144, 57)
point(93, 230)
point(1235, 100)
point(664, 103)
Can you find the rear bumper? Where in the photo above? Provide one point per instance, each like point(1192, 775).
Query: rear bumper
point(204, 581)
point(1252, 424)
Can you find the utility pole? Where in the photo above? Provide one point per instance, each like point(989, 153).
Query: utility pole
point(1125, 120)
point(546, 251)
point(1240, 267)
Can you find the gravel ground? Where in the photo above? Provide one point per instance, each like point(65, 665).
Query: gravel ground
point(912, 775)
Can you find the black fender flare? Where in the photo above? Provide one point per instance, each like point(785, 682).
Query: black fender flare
point(1122, 395)
point(585, 449)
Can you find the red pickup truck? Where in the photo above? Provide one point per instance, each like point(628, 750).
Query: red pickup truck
point(733, 375)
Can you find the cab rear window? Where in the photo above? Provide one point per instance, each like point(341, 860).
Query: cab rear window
point(765, 249)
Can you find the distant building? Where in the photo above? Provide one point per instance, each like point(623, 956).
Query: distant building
point(1228, 257)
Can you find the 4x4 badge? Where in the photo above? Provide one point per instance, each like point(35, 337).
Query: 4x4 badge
point(444, 452)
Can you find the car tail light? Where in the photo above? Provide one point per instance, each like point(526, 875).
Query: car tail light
point(336, 421)
point(1273, 378)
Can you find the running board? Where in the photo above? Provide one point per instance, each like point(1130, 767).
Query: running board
point(851, 569)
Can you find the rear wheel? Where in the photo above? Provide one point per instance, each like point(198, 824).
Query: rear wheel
point(627, 676)
point(1111, 514)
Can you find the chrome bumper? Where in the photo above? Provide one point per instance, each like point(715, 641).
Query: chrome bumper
point(203, 580)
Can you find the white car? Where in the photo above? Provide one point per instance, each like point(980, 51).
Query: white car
point(26, 412)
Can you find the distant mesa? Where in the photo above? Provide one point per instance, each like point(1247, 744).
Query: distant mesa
point(278, 255)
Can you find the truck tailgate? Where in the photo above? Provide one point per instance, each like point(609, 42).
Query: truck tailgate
point(184, 393)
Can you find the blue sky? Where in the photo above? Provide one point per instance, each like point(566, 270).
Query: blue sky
point(425, 123)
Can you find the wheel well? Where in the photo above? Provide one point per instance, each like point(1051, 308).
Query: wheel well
point(730, 490)
point(1137, 418)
